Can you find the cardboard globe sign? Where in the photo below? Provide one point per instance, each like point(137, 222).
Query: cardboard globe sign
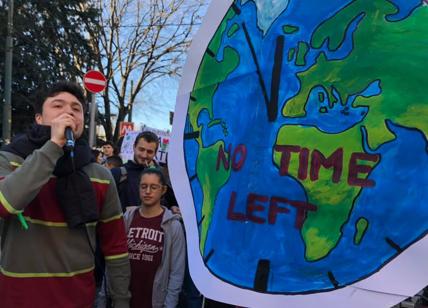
point(299, 152)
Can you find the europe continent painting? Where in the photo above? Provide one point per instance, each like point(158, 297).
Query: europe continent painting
point(304, 142)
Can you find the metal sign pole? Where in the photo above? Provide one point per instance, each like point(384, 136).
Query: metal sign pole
point(94, 82)
point(92, 121)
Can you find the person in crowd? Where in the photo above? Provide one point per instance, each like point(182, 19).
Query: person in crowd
point(156, 246)
point(127, 176)
point(97, 155)
point(113, 162)
point(53, 201)
point(422, 301)
point(108, 150)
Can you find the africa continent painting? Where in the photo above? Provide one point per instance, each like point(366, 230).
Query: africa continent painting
point(299, 153)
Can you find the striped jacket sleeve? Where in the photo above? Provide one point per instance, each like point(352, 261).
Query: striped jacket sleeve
point(19, 186)
point(111, 231)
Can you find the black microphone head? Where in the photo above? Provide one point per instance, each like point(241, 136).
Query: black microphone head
point(69, 144)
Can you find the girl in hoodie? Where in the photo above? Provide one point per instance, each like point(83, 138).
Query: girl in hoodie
point(156, 246)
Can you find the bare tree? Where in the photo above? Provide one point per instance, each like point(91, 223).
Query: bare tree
point(138, 42)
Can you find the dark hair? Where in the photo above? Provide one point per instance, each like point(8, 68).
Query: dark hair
point(148, 136)
point(61, 86)
point(154, 170)
point(109, 143)
point(95, 153)
point(115, 161)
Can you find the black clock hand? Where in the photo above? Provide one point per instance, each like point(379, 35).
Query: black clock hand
point(272, 104)
point(276, 79)
point(256, 62)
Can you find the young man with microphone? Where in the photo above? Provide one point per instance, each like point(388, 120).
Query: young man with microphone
point(53, 202)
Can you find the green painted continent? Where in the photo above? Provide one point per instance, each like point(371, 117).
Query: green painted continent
point(211, 72)
point(321, 230)
point(393, 52)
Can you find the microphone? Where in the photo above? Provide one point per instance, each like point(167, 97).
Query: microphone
point(69, 144)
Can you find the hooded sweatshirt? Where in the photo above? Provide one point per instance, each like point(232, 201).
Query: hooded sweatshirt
point(170, 273)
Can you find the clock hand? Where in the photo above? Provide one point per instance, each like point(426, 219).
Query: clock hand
point(256, 62)
point(276, 79)
point(272, 104)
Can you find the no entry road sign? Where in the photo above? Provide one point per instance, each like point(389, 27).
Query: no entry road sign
point(94, 81)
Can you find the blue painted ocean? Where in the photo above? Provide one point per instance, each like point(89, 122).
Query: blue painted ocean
point(394, 207)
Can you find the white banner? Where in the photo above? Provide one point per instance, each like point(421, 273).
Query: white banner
point(127, 149)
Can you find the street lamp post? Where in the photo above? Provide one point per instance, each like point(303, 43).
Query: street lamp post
point(7, 107)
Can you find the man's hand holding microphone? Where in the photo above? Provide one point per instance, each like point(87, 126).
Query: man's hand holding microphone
point(62, 128)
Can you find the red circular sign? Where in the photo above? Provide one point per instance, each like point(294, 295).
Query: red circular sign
point(94, 81)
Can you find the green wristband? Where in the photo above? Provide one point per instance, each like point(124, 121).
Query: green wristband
point(22, 221)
